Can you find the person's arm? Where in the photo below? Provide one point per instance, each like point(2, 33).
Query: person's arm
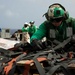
point(40, 33)
point(35, 29)
point(23, 29)
point(73, 23)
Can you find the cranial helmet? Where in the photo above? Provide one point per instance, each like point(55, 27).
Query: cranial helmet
point(26, 24)
point(56, 11)
point(32, 22)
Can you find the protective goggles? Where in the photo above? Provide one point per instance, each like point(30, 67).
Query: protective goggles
point(57, 19)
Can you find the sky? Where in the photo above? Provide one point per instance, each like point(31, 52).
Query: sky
point(14, 13)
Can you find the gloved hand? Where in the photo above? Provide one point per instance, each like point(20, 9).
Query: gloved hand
point(73, 39)
point(37, 44)
point(17, 45)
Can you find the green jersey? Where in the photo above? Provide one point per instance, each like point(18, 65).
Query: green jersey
point(25, 29)
point(60, 33)
point(32, 29)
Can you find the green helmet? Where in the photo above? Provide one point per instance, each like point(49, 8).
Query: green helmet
point(55, 12)
point(32, 22)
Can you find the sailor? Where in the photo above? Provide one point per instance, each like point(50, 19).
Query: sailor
point(58, 25)
point(32, 28)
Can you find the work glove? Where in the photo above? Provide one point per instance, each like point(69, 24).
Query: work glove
point(37, 44)
point(71, 46)
point(23, 46)
point(17, 45)
point(73, 39)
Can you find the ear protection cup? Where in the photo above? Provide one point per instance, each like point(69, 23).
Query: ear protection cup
point(46, 16)
point(66, 14)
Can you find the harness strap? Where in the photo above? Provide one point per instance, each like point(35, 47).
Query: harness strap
point(38, 65)
point(53, 69)
point(28, 62)
point(9, 66)
point(12, 64)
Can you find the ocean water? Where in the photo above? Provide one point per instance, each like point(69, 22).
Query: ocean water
point(12, 31)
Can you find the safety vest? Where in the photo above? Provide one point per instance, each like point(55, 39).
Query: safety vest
point(62, 32)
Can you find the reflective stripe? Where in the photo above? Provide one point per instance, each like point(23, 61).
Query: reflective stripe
point(52, 33)
point(69, 31)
